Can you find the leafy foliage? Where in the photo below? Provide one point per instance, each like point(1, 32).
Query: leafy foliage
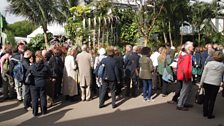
point(201, 11)
point(22, 28)
point(37, 43)
point(10, 37)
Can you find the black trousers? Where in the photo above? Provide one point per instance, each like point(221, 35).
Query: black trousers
point(165, 87)
point(36, 93)
point(27, 97)
point(57, 87)
point(211, 92)
point(134, 89)
point(111, 85)
point(177, 92)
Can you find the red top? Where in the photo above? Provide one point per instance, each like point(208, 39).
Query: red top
point(184, 67)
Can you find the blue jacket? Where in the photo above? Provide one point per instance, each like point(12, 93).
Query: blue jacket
point(111, 69)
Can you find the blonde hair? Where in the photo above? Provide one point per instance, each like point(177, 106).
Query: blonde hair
point(163, 54)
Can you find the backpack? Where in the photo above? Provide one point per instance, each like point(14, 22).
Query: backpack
point(6, 66)
point(101, 70)
point(18, 70)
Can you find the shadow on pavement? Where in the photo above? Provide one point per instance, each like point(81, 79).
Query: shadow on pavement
point(155, 115)
point(48, 120)
point(6, 107)
point(11, 114)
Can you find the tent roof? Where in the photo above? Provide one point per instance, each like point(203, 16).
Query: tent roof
point(54, 28)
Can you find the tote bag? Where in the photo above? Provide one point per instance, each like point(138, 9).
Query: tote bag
point(166, 76)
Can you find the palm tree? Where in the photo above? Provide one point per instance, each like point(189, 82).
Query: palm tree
point(42, 12)
point(173, 14)
point(201, 13)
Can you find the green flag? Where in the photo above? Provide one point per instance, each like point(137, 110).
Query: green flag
point(1, 21)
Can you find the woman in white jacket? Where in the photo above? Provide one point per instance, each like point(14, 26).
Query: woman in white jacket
point(211, 80)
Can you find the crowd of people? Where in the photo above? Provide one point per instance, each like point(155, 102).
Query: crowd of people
point(79, 73)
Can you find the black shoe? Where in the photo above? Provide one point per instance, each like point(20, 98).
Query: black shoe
point(101, 106)
point(114, 106)
point(44, 113)
point(188, 106)
point(88, 99)
point(3, 99)
point(211, 117)
point(182, 109)
point(205, 115)
point(171, 102)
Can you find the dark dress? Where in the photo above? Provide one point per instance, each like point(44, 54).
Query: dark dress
point(41, 74)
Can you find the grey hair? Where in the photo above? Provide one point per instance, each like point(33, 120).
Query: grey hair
point(84, 47)
point(187, 45)
point(211, 52)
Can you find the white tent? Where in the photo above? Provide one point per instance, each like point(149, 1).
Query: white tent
point(54, 28)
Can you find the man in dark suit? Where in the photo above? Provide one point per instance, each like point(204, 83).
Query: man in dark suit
point(131, 65)
point(109, 78)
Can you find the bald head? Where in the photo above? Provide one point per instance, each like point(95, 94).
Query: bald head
point(44, 52)
point(84, 47)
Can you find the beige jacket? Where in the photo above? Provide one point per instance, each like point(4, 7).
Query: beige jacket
point(85, 65)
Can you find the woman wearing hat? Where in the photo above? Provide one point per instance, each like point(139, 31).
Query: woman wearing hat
point(211, 80)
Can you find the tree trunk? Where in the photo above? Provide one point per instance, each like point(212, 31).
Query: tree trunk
point(199, 38)
point(145, 40)
point(170, 35)
point(164, 36)
point(46, 39)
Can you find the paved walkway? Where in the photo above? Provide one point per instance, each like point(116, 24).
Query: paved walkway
point(131, 112)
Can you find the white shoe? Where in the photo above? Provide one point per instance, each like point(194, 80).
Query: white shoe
point(150, 100)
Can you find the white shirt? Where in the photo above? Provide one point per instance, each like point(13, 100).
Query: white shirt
point(154, 58)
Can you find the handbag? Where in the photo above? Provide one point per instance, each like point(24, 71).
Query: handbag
point(166, 76)
point(199, 98)
point(29, 79)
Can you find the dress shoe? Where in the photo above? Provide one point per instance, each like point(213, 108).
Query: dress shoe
point(211, 117)
point(182, 108)
point(171, 102)
point(163, 95)
point(101, 106)
point(188, 106)
point(114, 106)
point(88, 99)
